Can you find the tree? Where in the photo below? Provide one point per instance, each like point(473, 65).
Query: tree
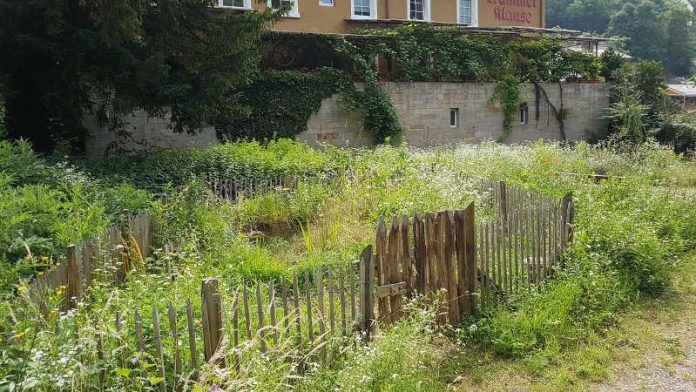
point(643, 24)
point(585, 15)
point(65, 57)
point(681, 45)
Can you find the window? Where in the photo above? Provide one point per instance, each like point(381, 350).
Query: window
point(467, 12)
point(326, 3)
point(454, 118)
point(524, 114)
point(364, 9)
point(240, 4)
point(419, 10)
point(294, 11)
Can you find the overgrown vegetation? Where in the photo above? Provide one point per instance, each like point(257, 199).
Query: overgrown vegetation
point(630, 232)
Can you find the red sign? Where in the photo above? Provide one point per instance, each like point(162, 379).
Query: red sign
point(514, 11)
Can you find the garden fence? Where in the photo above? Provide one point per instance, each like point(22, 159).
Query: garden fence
point(233, 189)
point(122, 248)
point(473, 264)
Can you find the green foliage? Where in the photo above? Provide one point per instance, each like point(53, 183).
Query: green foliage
point(130, 54)
point(681, 135)
point(638, 101)
point(44, 208)
point(281, 102)
point(656, 30)
point(398, 358)
point(507, 93)
point(241, 160)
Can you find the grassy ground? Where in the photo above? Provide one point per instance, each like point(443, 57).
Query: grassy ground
point(652, 348)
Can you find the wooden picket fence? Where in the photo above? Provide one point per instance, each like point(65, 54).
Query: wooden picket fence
point(235, 188)
point(118, 251)
point(472, 263)
point(475, 264)
point(303, 315)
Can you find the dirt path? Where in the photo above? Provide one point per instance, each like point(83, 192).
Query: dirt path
point(660, 346)
point(653, 348)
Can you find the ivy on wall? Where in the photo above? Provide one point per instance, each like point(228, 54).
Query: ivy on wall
point(304, 69)
point(507, 93)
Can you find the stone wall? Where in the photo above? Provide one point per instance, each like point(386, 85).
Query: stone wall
point(423, 110)
point(140, 132)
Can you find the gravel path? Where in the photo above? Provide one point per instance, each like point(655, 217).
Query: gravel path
point(663, 345)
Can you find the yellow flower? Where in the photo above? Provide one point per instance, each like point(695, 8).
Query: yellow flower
point(19, 335)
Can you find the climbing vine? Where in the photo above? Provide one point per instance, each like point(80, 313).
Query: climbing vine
point(507, 93)
point(303, 69)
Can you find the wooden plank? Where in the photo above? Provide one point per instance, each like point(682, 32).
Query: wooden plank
point(460, 242)
point(449, 276)
point(537, 240)
point(482, 264)
point(72, 291)
point(330, 289)
point(391, 290)
point(308, 299)
point(235, 331)
point(211, 304)
point(382, 269)
point(431, 253)
point(284, 294)
point(298, 318)
point(320, 306)
point(272, 310)
point(393, 253)
point(351, 283)
point(470, 257)
point(342, 299)
point(420, 254)
point(406, 260)
point(544, 240)
point(365, 291)
point(158, 346)
point(247, 313)
point(516, 248)
point(502, 247)
point(262, 322)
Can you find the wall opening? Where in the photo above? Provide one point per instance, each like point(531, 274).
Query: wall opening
point(454, 118)
point(524, 114)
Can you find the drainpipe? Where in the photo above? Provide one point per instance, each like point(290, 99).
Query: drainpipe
point(386, 9)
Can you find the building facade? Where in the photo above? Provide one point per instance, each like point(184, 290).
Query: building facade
point(345, 16)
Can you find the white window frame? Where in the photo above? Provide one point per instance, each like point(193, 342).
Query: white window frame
point(455, 112)
point(426, 11)
point(246, 6)
point(373, 11)
point(294, 11)
point(474, 13)
point(327, 3)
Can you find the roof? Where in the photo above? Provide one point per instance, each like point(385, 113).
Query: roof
point(681, 90)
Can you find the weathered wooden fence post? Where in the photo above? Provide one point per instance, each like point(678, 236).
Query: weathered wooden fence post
point(72, 292)
point(211, 306)
point(367, 316)
point(470, 256)
point(567, 220)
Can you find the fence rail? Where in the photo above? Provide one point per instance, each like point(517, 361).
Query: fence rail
point(233, 189)
point(111, 257)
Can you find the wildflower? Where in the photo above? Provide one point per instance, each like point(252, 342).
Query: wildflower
point(215, 388)
point(135, 360)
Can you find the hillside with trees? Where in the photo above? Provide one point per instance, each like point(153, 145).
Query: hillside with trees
point(656, 30)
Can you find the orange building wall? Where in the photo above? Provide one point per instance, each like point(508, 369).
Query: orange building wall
point(316, 18)
point(526, 13)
